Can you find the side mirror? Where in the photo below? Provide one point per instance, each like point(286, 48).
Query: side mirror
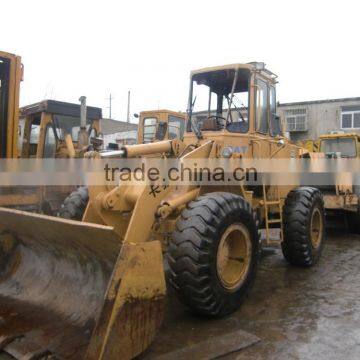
point(136, 115)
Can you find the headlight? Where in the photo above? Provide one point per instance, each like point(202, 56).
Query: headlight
point(227, 152)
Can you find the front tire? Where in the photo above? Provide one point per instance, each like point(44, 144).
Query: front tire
point(213, 253)
point(304, 226)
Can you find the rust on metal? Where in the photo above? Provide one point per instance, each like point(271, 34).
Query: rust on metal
point(53, 279)
point(71, 290)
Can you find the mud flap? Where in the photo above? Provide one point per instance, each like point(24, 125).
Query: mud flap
point(134, 304)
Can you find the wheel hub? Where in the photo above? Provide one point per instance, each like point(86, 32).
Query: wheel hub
point(233, 256)
point(316, 228)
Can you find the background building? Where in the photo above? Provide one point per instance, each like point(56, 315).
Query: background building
point(310, 119)
point(118, 131)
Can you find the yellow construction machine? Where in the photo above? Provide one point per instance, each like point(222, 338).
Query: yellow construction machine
point(342, 197)
point(95, 289)
point(47, 129)
point(56, 129)
point(11, 73)
point(154, 125)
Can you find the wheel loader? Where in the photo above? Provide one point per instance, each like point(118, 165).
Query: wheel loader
point(342, 198)
point(154, 125)
point(95, 289)
point(47, 129)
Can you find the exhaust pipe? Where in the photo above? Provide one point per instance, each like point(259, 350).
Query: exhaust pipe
point(83, 135)
point(83, 109)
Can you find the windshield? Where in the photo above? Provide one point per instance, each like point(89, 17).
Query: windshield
point(219, 100)
point(69, 125)
point(345, 146)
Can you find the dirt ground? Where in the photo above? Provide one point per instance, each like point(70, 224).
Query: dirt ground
point(296, 313)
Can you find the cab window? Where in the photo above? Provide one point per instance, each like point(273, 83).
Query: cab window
point(34, 138)
point(261, 117)
point(219, 100)
point(69, 125)
point(176, 127)
point(21, 130)
point(50, 142)
point(149, 129)
point(93, 133)
point(275, 124)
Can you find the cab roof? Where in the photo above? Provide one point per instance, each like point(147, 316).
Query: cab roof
point(252, 66)
point(170, 112)
point(60, 108)
point(340, 135)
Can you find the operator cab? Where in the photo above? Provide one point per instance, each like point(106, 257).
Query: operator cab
point(221, 98)
point(44, 126)
point(339, 145)
point(158, 125)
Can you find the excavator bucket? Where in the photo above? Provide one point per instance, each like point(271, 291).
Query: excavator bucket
point(72, 290)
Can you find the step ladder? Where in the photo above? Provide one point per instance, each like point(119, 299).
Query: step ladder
point(267, 205)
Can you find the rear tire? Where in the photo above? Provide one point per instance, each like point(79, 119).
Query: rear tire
point(304, 226)
point(74, 205)
point(213, 254)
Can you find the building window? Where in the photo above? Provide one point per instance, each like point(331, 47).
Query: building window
point(296, 120)
point(350, 119)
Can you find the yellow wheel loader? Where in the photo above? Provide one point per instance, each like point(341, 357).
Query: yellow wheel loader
point(154, 125)
point(95, 289)
point(343, 197)
point(47, 129)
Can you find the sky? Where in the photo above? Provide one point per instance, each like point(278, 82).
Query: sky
point(94, 48)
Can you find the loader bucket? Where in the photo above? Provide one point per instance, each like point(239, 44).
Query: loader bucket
point(71, 290)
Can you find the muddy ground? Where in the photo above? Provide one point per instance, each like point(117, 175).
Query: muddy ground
point(296, 313)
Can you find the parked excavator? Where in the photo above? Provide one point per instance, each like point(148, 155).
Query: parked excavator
point(95, 289)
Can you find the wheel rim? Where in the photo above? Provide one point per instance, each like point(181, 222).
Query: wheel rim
point(234, 256)
point(316, 228)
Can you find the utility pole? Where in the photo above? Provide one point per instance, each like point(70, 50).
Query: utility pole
point(110, 103)
point(128, 108)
